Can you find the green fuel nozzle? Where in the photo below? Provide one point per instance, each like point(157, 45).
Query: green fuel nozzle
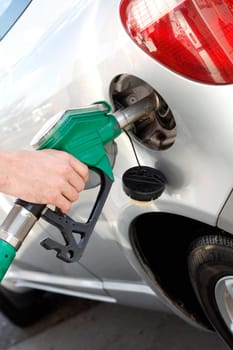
point(84, 133)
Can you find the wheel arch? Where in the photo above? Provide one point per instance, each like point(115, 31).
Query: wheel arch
point(161, 242)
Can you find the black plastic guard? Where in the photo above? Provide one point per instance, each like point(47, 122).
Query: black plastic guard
point(73, 249)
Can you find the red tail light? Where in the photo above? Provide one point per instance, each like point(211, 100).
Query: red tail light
point(191, 37)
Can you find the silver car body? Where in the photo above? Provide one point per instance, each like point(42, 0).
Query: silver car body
point(62, 55)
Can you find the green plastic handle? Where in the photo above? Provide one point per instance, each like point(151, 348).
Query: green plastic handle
point(7, 255)
point(83, 133)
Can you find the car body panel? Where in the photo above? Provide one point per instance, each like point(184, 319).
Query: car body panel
point(41, 73)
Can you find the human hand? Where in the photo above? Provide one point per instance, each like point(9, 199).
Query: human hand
point(42, 177)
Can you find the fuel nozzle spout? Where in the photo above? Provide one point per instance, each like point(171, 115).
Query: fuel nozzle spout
point(136, 111)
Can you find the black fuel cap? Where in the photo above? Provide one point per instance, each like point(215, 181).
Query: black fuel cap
point(143, 183)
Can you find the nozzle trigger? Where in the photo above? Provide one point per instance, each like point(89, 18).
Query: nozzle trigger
point(73, 249)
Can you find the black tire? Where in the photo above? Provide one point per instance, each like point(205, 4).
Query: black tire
point(209, 260)
point(25, 309)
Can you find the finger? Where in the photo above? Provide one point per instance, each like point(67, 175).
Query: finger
point(70, 193)
point(76, 181)
point(80, 168)
point(63, 204)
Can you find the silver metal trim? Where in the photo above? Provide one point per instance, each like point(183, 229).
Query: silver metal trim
point(17, 225)
point(136, 111)
point(47, 128)
point(58, 284)
point(224, 300)
point(128, 287)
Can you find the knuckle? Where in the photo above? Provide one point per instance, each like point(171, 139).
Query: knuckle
point(65, 170)
point(80, 168)
point(63, 154)
point(67, 156)
point(61, 184)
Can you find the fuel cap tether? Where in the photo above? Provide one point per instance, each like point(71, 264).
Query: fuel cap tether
point(143, 183)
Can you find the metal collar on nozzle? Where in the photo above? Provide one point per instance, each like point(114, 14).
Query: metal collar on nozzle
point(136, 111)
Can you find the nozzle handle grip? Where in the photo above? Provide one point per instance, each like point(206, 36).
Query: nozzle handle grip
point(7, 255)
point(76, 234)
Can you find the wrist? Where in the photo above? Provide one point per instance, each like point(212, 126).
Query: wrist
point(5, 166)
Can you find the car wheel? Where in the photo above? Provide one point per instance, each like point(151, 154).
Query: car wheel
point(24, 309)
point(210, 265)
